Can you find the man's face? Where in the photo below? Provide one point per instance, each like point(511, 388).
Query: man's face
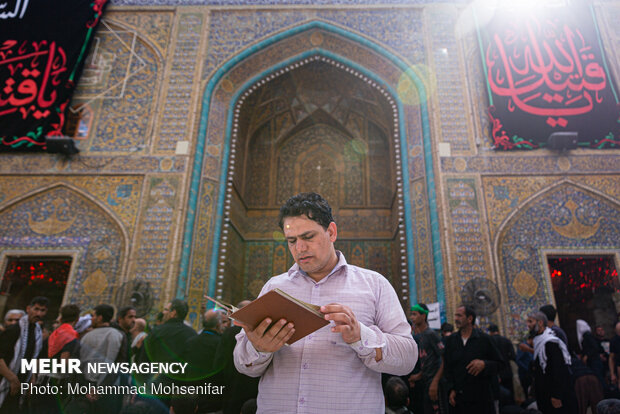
point(225, 323)
point(12, 319)
point(168, 313)
point(311, 245)
point(417, 317)
point(128, 321)
point(600, 332)
point(534, 326)
point(460, 320)
point(36, 312)
point(96, 321)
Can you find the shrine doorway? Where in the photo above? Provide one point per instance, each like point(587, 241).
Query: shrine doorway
point(585, 287)
point(25, 277)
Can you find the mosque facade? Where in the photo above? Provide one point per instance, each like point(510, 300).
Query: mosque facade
point(196, 120)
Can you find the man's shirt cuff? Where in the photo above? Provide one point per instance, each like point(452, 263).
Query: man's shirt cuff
point(368, 342)
point(254, 357)
point(258, 357)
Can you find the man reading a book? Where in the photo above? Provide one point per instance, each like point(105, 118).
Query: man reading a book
point(338, 367)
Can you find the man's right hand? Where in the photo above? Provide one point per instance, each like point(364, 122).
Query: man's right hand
point(452, 398)
point(413, 378)
point(15, 385)
point(270, 340)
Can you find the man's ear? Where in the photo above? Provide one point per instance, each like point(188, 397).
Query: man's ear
point(332, 230)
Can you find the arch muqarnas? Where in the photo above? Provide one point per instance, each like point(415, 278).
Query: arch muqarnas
point(61, 219)
point(313, 40)
point(566, 217)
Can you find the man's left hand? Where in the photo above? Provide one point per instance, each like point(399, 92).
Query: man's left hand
point(475, 367)
point(433, 391)
point(345, 320)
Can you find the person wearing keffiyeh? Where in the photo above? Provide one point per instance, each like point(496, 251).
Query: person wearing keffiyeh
point(20, 341)
point(553, 384)
point(63, 343)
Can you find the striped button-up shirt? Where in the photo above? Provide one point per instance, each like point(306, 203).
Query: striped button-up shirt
point(321, 373)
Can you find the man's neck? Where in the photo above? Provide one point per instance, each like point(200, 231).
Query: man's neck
point(466, 331)
point(420, 327)
point(333, 261)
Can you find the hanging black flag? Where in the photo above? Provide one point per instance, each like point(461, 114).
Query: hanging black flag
point(546, 73)
point(43, 47)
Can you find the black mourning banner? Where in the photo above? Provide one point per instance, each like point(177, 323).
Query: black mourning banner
point(546, 72)
point(43, 45)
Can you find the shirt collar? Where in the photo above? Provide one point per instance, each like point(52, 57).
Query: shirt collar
point(295, 271)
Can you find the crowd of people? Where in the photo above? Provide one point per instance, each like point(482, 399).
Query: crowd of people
point(471, 371)
point(467, 371)
point(103, 335)
point(371, 358)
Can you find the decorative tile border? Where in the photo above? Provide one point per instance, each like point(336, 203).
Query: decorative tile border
point(176, 119)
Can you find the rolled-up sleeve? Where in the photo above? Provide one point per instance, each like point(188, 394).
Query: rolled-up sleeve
point(391, 333)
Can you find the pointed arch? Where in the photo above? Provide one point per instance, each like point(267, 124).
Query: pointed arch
point(220, 84)
point(60, 219)
point(550, 221)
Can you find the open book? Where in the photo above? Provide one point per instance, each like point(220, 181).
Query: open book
point(277, 304)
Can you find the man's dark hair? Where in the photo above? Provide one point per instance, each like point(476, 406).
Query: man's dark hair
point(549, 312)
point(122, 312)
point(447, 327)
point(396, 393)
point(493, 328)
point(40, 300)
point(180, 306)
point(310, 205)
point(69, 313)
point(105, 311)
point(469, 311)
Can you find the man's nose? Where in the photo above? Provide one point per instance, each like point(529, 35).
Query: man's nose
point(300, 245)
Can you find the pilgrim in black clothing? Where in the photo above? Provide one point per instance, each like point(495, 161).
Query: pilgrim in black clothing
point(472, 362)
point(19, 341)
point(553, 384)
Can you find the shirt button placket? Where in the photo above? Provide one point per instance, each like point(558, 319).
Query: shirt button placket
point(316, 294)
